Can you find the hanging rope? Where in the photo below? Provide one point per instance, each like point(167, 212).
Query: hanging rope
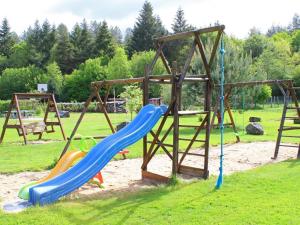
point(222, 53)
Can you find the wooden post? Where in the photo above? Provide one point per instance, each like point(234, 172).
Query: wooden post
point(207, 108)
point(12, 103)
point(86, 105)
point(175, 120)
point(285, 104)
point(20, 119)
point(58, 117)
point(145, 102)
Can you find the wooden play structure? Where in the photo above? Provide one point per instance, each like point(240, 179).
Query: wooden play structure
point(175, 78)
point(36, 128)
point(287, 89)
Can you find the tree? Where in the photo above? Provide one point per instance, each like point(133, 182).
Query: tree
point(77, 84)
point(255, 45)
point(133, 96)
point(179, 24)
point(119, 67)
point(138, 62)
point(24, 80)
point(20, 55)
point(296, 41)
point(63, 50)
point(295, 23)
point(82, 41)
point(275, 29)
point(177, 50)
point(47, 40)
point(104, 45)
point(116, 34)
point(6, 39)
point(146, 28)
point(54, 78)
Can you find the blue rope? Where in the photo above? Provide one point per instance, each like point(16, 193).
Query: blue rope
point(222, 53)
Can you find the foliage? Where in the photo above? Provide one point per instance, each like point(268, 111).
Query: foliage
point(77, 84)
point(54, 79)
point(296, 41)
point(139, 61)
point(104, 45)
point(255, 45)
point(119, 68)
point(6, 39)
point(63, 50)
point(133, 96)
point(24, 79)
point(146, 28)
point(264, 94)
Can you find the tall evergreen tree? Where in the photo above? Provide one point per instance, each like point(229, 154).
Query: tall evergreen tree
point(6, 39)
point(104, 45)
point(82, 40)
point(116, 34)
point(146, 28)
point(177, 50)
point(180, 24)
point(47, 41)
point(63, 51)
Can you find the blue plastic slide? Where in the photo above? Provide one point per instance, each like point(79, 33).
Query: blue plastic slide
point(97, 158)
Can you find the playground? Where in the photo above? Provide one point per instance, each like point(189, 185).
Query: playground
point(161, 154)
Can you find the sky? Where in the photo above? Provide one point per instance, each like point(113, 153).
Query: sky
point(239, 16)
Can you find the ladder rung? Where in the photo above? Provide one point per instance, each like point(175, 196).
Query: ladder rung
point(292, 117)
point(196, 154)
point(296, 88)
point(293, 107)
point(291, 128)
point(292, 146)
point(161, 144)
point(186, 139)
point(183, 113)
point(290, 136)
point(186, 125)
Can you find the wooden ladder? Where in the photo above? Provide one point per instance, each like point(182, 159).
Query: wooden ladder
point(291, 91)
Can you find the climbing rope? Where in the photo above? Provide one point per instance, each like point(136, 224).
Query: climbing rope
point(222, 53)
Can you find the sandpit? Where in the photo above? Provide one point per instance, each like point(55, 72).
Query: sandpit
point(125, 175)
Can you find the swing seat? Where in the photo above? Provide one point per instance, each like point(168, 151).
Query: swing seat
point(33, 128)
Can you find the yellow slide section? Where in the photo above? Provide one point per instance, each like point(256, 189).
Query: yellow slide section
point(63, 165)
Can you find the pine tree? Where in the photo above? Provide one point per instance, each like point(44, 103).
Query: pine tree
point(177, 50)
point(104, 45)
point(82, 40)
point(146, 28)
point(180, 24)
point(63, 51)
point(6, 39)
point(116, 34)
point(47, 40)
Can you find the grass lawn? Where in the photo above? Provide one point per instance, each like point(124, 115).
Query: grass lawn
point(16, 157)
point(266, 195)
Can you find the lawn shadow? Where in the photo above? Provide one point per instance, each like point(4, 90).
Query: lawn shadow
point(122, 206)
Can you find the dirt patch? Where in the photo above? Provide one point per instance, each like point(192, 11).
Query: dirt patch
point(125, 175)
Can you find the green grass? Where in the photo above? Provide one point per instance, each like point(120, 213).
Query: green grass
point(266, 195)
point(16, 157)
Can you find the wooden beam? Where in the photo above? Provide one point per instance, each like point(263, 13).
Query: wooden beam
point(192, 171)
point(154, 176)
point(118, 81)
point(184, 35)
point(253, 83)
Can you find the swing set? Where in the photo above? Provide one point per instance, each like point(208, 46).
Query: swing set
point(46, 125)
